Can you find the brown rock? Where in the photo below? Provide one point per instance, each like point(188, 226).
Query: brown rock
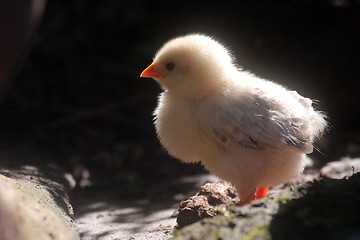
point(206, 202)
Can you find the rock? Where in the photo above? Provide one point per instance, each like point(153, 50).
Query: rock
point(345, 167)
point(329, 209)
point(28, 212)
point(324, 209)
point(206, 202)
point(250, 221)
point(8, 220)
point(33, 200)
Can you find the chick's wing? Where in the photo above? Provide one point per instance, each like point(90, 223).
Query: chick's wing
point(257, 122)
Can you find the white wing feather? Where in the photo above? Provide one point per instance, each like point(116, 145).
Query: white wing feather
point(260, 121)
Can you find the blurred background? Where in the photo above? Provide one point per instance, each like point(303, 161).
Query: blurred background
point(70, 86)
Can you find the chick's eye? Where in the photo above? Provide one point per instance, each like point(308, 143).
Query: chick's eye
point(170, 66)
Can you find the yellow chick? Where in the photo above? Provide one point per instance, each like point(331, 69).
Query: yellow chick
point(249, 131)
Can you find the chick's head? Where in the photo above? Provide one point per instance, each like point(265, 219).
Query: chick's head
point(192, 64)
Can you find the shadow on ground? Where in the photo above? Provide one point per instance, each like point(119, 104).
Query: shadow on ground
point(102, 212)
point(330, 209)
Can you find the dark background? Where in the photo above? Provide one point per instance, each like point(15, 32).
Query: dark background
point(79, 95)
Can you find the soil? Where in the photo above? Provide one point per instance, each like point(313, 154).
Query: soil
point(322, 208)
point(104, 213)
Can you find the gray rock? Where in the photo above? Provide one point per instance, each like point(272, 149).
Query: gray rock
point(33, 200)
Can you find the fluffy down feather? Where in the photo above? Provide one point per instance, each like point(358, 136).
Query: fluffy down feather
point(246, 130)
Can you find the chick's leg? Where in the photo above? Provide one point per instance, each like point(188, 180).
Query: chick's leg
point(261, 192)
point(247, 199)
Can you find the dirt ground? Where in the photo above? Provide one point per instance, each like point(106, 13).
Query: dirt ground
point(103, 214)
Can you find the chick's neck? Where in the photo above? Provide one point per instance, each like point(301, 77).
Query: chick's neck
point(195, 95)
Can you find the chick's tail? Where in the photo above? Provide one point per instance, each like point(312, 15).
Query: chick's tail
point(318, 124)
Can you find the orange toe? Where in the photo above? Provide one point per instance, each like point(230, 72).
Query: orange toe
point(261, 192)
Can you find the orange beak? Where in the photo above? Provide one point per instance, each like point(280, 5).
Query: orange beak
point(151, 72)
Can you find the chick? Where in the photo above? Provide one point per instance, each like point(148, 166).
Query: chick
point(246, 130)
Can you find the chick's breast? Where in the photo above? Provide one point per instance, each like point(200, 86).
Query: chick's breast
point(178, 129)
